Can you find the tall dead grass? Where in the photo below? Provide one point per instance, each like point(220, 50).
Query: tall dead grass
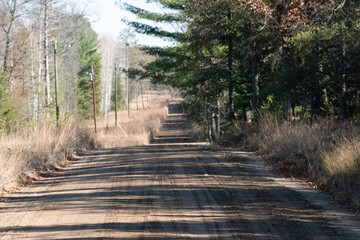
point(139, 129)
point(24, 156)
point(326, 152)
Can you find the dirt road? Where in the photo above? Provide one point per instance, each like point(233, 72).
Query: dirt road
point(171, 189)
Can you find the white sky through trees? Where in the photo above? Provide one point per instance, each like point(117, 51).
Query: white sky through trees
point(106, 19)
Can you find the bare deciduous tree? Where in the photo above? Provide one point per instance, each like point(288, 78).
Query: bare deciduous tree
point(10, 11)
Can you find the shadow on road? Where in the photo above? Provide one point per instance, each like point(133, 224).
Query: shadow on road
point(176, 128)
point(176, 191)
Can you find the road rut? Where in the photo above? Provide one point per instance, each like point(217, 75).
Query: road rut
point(172, 189)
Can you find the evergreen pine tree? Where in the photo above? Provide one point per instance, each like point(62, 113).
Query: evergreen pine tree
point(8, 113)
point(89, 57)
point(118, 96)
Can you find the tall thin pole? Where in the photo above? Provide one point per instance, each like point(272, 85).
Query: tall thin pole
point(127, 79)
point(56, 87)
point(116, 93)
point(142, 94)
point(94, 100)
point(218, 121)
point(137, 96)
point(147, 95)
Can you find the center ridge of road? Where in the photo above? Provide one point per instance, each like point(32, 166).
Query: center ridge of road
point(173, 188)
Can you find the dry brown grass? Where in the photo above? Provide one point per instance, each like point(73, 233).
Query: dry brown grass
point(24, 156)
point(327, 153)
point(139, 129)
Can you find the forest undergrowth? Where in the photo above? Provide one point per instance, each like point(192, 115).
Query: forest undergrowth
point(326, 153)
point(26, 157)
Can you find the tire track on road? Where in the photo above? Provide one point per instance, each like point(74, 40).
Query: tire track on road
point(170, 189)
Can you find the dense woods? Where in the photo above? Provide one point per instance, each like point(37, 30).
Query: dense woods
point(277, 76)
point(47, 51)
point(35, 34)
point(298, 59)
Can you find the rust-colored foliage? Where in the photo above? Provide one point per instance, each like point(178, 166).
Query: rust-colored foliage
point(17, 54)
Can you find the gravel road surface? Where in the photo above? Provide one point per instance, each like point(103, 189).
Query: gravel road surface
point(172, 189)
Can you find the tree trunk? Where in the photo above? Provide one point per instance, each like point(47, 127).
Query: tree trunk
point(7, 48)
point(231, 115)
point(213, 126)
point(255, 80)
point(312, 107)
point(8, 34)
point(342, 84)
point(287, 107)
point(40, 84)
point(34, 93)
point(208, 119)
point(106, 78)
point(46, 53)
point(217, 122)
point(314, 104)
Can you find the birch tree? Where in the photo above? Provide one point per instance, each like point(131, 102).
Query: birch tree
point(69, 36)
point(108, 51)
point(45, 6)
